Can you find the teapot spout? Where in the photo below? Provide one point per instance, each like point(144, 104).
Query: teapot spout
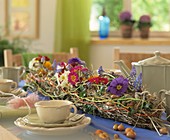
point(124, 69)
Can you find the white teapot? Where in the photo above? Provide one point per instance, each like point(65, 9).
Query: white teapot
point(155, 72)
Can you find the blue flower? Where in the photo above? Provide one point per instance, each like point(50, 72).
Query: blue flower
point(42, 97)
point(138, 82)
point(100, 70)
point(133, 72)
point(42, 59)
point(61, 67)
point(54, 65)
point(118, 86)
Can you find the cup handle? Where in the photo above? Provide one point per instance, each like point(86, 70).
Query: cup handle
point(14, 85)
point(75, 111)
point(23, 70)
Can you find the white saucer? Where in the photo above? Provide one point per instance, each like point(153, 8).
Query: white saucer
point(55, 130)
point(33, 120)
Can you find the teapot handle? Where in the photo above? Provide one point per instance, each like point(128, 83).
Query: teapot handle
point(161, 94)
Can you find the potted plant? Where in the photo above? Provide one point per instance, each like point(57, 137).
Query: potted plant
point(144, 25)
point(127, 23)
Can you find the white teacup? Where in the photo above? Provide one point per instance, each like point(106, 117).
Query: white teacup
point(13, 73)
point(55, 110)
point(6, 85)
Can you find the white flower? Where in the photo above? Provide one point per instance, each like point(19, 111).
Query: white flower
point(63, 78)
point(65, 84)
point(34, 64)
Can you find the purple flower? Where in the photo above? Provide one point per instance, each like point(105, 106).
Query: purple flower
point(126, 15)
point(144, 21)
point(118, 86)
point(75, 61)
point(145, 18)
point(100, 70)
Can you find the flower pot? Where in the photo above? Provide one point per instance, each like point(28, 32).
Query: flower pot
point(126, 31)
point(144, 32)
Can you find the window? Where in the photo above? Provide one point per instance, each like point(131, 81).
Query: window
point(159, 10)
point(113, 8)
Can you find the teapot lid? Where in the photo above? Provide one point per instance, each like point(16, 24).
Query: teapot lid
point(155, 60)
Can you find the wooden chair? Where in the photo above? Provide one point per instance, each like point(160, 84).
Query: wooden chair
point(129, 57)
point(11, 59)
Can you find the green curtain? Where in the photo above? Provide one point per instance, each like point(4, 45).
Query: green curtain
point(72, 26)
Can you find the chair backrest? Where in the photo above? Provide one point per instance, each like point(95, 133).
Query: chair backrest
point(64, 56)
point(11, 59)
point(129, 57)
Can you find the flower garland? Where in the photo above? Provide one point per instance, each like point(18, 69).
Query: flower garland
point(102, 93)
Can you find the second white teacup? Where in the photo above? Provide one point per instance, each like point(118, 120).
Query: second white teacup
point(13, 73)
point(6, 85)
point(53, 111)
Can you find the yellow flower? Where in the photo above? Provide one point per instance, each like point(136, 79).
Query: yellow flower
point(47, 64)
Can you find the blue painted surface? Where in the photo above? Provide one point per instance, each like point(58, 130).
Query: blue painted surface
point(141, 134)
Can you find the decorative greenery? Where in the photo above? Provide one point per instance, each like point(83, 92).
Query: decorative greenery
point(102, 93)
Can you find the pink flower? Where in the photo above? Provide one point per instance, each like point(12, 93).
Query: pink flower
point(18, 102)
point(73, 78)
point(76, 68)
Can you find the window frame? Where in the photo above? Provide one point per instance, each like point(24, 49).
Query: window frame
point(153, 34)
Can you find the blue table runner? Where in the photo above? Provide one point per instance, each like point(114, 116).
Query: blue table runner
point(107, 126)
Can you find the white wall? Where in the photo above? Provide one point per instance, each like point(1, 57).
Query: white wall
point(45, 42)
point(103, 54)
point(2, 14)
